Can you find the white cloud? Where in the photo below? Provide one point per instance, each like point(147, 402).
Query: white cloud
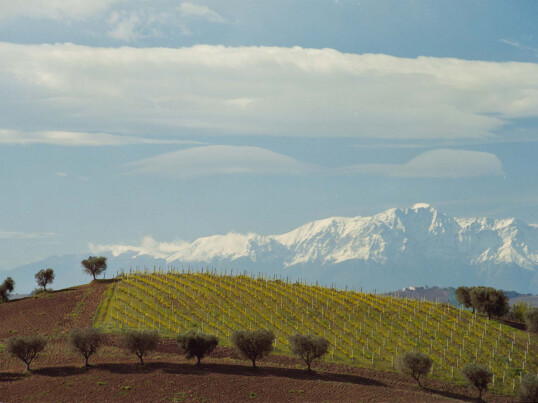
point(148, 246)
point(25, 235)
point(220, 160)
point(231, 160)
point(61, 174)
point(76, 139)
point(193, 10)
point(53, 9)
point(261, 90)
point(442, 163)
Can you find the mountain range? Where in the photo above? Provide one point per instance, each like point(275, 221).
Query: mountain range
point(390, 250)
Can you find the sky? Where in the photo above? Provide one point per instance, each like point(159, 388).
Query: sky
point(180, 119)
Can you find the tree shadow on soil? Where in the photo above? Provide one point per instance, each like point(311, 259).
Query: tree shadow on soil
point(10, 376)
point(292, 373)
point(452, 395)
point(56, 372)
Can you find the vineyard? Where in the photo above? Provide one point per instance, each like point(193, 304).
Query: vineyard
point(363, 329)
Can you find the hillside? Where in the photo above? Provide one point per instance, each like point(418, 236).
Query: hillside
point(58, 375)
point(363, 329)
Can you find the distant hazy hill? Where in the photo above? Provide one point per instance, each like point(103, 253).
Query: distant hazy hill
point(388, 251)
point(447, 295)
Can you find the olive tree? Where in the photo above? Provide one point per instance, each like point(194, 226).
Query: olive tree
point(44, 277)
point(94, 265)
point(489, 301)
point(478, 375)
point(415, 364)
point(463, 296)
point(6, 288)
point(308, 347)
point(26, 348)
point(197, 344)
point(86, 342)
point(139, 343)
point(253, 344)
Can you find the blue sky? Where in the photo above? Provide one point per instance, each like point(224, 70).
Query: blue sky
point(179, 119)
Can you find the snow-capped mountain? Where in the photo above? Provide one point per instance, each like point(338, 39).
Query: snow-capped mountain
point(387, 251)
point(398, 247)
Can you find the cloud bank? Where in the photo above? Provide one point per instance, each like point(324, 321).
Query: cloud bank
point(232, 160)
point(76, 139)
point(220, 160)
point(260, 91)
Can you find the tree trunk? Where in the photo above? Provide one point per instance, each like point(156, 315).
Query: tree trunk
point(44, 288)
point(141, 359)
point(93, 276)
point(87, 364)
point(28, 366)
point(308, 364)
point(253, 363)
point(198, 363)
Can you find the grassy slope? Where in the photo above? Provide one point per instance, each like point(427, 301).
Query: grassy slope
point(363, 329)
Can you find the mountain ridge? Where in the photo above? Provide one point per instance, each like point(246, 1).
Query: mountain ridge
point(388, 250)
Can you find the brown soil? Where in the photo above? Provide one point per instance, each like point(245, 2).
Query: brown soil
point(58, 375)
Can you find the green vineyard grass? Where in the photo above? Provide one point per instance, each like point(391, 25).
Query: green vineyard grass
point(363, 329)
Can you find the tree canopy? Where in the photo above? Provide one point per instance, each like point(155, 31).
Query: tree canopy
point(94, 265)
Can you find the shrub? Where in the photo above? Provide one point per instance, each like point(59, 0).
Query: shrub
point(140, 343)
point(253, 344)
point(477, 375)
point(197, 344)
point(518, 311)
point(415, 363)
point(531, 320)
point(44, 277)
point(26, 348)
point(86, 342)
point(308, 347)
point(528, 390)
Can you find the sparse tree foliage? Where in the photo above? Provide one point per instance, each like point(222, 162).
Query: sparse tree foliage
point(463, 296)
point(26, 348)
point(94, 265)
point(528, 390)
point(197, 344)
point(6, 288)
point(86, 342)
point(415, 364)
point(308, 347)
point(478, 375)
point(140, 343)
point(253, 344)
point(531, 320)
point(44, 277)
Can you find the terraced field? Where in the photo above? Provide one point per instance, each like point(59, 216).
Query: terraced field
point(363, 329)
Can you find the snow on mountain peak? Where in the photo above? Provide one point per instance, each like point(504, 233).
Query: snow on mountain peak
point(415, 237)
